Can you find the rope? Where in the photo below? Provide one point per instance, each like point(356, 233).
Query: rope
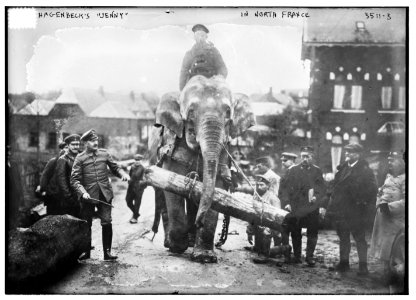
point(194, 177)
point(248, 181)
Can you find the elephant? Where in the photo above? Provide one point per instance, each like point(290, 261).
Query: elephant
point(191, 133)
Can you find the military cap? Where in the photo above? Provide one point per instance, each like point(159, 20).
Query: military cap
point(288, 155)
point(354, 147)
point(72, 138)
point(307, 149)
point(89, 135)
point(138, 157)
point(265, 160)
point(263, 178)
point(198, 27)
point(62, 145)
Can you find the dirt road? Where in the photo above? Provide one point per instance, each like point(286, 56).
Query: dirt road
point(146, 267)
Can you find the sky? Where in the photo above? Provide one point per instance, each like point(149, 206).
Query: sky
point(143, 49)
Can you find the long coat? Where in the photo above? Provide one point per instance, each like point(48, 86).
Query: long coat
point(295, 187)
point(354, 192)
point(63, 175)
point(90, 174)
point(386, 227)
point(216, 62)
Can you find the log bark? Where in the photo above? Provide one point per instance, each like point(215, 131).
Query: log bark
point(40, 250)
point(238, 205)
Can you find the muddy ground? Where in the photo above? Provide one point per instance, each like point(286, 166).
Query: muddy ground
point(146, 267)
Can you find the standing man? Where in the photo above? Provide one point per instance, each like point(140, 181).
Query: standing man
point(302, 192)
point(354, 192)
point(288, 159)
point(89, 178)
point(48, 187)
point(68, 198)
point(136, 188)
point(203, 59)
point(390, 216)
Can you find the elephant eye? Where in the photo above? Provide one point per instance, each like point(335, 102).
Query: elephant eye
point(227, 111)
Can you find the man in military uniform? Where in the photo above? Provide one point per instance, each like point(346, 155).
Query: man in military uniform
point(301, 194)
point(354, 192)
point(48, 187)
point(90, 180)
point(203, 59)
point(68, 198)
point(288, 159)
point(136, 188)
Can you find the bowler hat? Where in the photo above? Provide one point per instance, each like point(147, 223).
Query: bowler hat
point(288, 155)
point(199, 27)
point(354, 147)
point(89, 135)
point(72, 138)
point(396, 154)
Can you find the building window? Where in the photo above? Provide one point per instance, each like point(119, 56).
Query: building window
point(347, 99)
point(386, 97)
point(332, 76)
point(339, 92)
point(52, 140)
point(33, 139)
point(401, 103)
point(356, 96)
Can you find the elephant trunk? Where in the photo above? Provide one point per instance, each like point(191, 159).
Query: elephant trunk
point(211, 136)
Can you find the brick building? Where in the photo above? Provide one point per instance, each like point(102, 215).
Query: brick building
point(358, 82)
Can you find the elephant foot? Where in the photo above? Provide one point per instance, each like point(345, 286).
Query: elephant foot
point(176, 250)
point(204, 256)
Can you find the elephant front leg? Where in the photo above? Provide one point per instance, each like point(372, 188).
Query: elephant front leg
point(178, 233)
point(204, 245)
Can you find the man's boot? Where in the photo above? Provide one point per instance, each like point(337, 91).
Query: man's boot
point(342, 266)
point(107, 236)
point(264, 252)
point(310, 249)
point(297, 250)
point(362, 269)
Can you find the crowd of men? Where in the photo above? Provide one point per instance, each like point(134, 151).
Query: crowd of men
point(302, 192)
point(78, 184)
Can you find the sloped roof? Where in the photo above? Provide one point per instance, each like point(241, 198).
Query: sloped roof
point(139, 107)
point(112, 109)
point(38, 105)
point(338, 26)
point(267, 108)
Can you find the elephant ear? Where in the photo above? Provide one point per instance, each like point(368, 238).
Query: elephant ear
point(243, 115)
point(168, 113)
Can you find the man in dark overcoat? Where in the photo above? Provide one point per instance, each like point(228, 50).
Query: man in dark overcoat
point(203, 59)
point(68, 198)
point(354, 192)
point(89, 178)
point(302, 194)
point(48, 186)
point(136, 188)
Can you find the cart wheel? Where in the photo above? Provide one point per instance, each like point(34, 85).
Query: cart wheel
point(398, 258)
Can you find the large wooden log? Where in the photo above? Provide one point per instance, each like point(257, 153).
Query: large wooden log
point(238, 205)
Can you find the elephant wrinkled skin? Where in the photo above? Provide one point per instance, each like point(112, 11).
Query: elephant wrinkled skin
point(190, 134)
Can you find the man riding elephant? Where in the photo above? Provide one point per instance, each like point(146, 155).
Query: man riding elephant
point(191, 135)
point(203, 59)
